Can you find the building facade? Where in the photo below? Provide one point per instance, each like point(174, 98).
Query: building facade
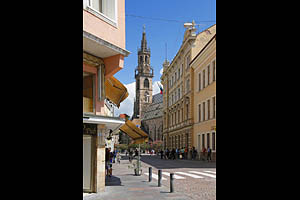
point(178, 100)
point(152, 122)
point(103, 56)
point(204, 72)
point(143, 76)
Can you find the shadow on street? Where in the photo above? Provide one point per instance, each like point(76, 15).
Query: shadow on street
point(112, 181)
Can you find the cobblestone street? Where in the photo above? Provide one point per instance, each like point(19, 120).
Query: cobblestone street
point(198, 178)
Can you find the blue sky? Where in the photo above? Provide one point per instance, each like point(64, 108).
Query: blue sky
point(160, 32)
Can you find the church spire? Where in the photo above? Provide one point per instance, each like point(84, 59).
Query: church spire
point(144, 41)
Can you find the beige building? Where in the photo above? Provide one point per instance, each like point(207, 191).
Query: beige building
point(204, 94)
point(177, 79)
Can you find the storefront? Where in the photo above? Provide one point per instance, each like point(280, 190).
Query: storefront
point(95, 131)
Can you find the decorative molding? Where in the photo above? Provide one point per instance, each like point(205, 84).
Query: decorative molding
point(105, 43)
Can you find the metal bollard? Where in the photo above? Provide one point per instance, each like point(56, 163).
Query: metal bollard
point(159, 177)
point(150, 174)
point(171, 182)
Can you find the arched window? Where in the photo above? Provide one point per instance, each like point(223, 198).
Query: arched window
point(146, 59)
point(141, 59)
point(146, 83)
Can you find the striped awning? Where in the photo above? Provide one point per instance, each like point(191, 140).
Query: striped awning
point(134, 132)
point(115, 91)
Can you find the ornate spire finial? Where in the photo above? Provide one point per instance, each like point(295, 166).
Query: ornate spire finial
point(144, 28)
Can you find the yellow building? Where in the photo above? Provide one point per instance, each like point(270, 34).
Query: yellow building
point(177, 80)
point(204, 94)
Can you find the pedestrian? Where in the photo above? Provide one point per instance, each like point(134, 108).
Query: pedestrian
point(114, 156)
point(195, 153)
point(126, 152)
point(167, 153)
point(208, 154)
point(182, 153)
point(130, 156)
point(203, 153)
point(136, 153)
point(107, 155)
point(173, 154)
point(185, 152)
point(161, 154)
point(119, 157)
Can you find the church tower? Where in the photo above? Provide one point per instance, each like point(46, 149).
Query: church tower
point(143, 77)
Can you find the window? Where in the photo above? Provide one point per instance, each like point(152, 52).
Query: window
point(214, 70)
point(203, 140)
point(208, 142)
point(178, 73)
point(208, 109)
point(146, 59)
point(199, 76)
point(203, 78)
point(175, 77)
point(213, 141)
point(179, 93)
point(208, 74)
point(199, 112)
point(188, 60)
point(214, 107)
point(178, 116)
point(203, 119)
point(100, 83)
point(146, 83)
point(105, 7)
point(141, 59)
point(175, 117)
point(187, 111)
point(188, 85)
point(147, 97)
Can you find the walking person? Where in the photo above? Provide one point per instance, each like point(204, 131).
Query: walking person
point(161, 154)
point(119, 157)
point(208, 154)
point(182, 153)
point(130, 156)
point(173, 154)
point(167, 153)
point(185, 153)
point(203, 153)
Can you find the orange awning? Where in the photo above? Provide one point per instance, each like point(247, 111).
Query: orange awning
point(134, 132)
point(115, 91)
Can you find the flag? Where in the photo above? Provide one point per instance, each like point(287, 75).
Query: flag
point(161, 89)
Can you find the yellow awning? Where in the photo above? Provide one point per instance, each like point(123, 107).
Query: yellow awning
point(115, 91)
point(134, 132)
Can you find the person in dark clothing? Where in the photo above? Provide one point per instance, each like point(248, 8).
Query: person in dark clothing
point(130, 156)
point(161, 154)
point(136, 153)
point(208, 154)
point(173, 154)
point(167, 153)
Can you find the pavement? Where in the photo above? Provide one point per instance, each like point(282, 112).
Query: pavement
point(124, 185)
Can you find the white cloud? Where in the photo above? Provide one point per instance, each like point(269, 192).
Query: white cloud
point(161, 71)
point(126, 107)
point(155, 88)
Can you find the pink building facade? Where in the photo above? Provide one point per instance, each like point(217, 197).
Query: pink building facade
point(103, 56)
